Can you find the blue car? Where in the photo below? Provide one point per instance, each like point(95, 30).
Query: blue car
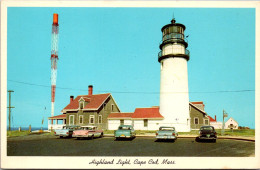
point(166, 133)
point(125, 131)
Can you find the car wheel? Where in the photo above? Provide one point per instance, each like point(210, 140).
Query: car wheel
point(77, 138)
point(61, 136)
point(197, 139)
point(101, 135)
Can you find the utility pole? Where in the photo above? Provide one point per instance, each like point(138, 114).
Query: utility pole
point(223, 124)
point(10, 107)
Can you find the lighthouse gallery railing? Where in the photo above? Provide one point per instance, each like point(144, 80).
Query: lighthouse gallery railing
point(187, 52)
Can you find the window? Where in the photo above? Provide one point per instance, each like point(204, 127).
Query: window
point(174, 29)
point(81, 105)
point(100, 119)
point(162, 65)
point(71, 120)
point(167, 30)
point(122, 122)
point(112, 107)
point(170, 29)
point(145, 122)
point(206, 121)
point(196, 120)
point(105, 106)
point(80, 119)
point(178, 29)
point(91, 119)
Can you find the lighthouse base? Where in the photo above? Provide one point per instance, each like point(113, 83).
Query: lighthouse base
point(179, 127)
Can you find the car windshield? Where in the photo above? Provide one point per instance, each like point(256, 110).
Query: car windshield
point(124, 128)
point(206, 128)
point(166, 129)
point(86, 128)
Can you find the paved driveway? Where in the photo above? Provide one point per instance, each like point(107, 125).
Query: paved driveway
point(140, 146)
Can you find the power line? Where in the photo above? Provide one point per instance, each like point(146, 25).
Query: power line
point(133, 92)
point(44, 85)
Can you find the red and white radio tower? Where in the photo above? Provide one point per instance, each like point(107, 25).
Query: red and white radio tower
point(54, 58)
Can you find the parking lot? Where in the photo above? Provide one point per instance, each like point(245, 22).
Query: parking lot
point(34, 145)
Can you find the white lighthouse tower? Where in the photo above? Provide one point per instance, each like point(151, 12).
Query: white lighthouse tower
point(174, 96)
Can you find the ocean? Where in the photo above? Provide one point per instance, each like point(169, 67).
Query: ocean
point(27, 128)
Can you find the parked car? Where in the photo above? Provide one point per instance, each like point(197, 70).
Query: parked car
point(207, 133)
point(125, 131)
point(166, 133)
point(87, 132)
point(66, 131)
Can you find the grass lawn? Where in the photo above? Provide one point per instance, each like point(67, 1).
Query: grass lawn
point(138, 132)
point(23, 133)
point(237, 132)
point(17, 133)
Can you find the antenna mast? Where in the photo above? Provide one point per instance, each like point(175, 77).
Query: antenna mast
point(54, 59)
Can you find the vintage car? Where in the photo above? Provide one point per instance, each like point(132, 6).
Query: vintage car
point(124, 131)
point(166, 133)
point(207, 133)
point(66, 131)
point(87, 132)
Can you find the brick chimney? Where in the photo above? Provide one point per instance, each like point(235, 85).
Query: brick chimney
point(71, 98)
point(215, 117)
point(90, 90)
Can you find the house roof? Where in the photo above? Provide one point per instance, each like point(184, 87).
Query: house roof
point(62, 116)
point(93, 102)
point(119, 115)
point(211, 119)
point(147, 113)
point(139, 113)
point(191, 103)
point(200, 102)
point(231, 119)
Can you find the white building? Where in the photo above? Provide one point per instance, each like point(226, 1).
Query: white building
point(116, 119)
point(231, 124)
point(174, 96)
point(214, 123)
point(56, 122)
point(141, 119)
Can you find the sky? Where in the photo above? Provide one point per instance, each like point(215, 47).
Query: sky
point(116, 51)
